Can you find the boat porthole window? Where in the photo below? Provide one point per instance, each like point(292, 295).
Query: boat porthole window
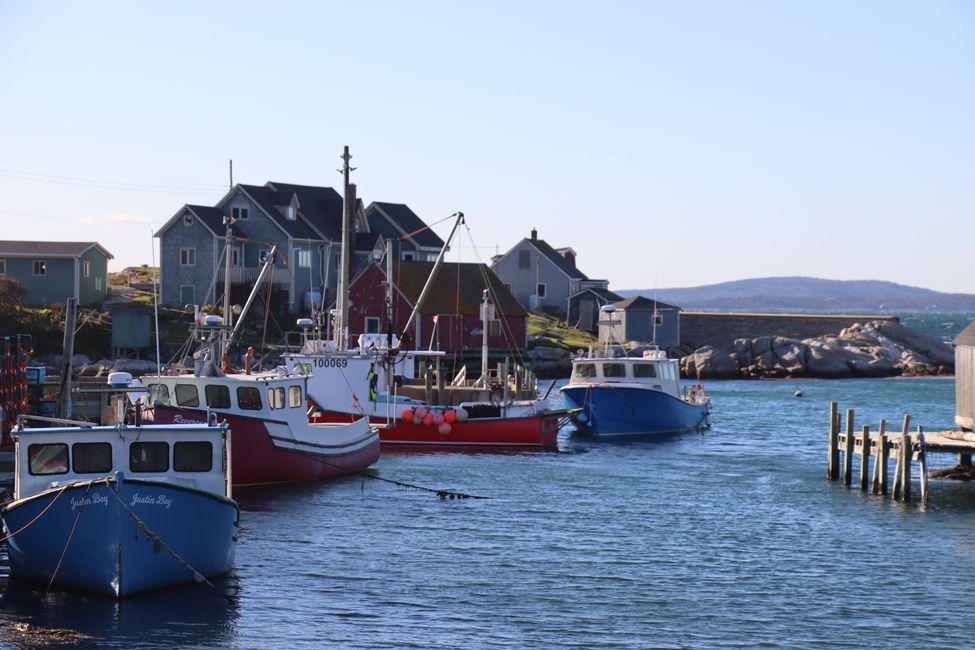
point(149, 457)
point(644, 370)
point(614, 370)
point(193, 456)
point(91, 457)
point(249, 398)
point(294, 396)
point(187, 395)
point(584, 370)
point(47, 459)
point(218, 396)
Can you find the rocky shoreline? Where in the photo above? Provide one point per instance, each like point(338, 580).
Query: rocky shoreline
point(872, 349)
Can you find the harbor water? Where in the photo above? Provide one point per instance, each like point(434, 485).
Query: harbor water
point(731, 538)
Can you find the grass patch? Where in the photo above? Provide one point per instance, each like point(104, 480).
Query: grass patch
point(549, 331)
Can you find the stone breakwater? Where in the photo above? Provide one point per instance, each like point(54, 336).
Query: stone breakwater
point(872, 349)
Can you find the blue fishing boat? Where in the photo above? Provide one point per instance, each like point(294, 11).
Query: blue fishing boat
point(120, 509)
point(634, 396)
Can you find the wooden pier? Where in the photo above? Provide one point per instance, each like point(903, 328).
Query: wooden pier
point(902, 446)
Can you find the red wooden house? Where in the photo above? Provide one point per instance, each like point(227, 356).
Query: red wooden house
point(450, 320)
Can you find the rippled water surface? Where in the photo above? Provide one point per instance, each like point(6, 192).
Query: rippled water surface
point(730, 538)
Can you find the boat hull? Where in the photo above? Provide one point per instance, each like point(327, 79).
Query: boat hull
point(621, 411)
point(538, 431)
point(262, 455)
point(86, 536)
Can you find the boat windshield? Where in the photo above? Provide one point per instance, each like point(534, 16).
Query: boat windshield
point(614, 370)
point(585, 370)
point(644, 370)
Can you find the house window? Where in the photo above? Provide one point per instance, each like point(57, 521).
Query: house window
point(304, 258)
point(658, 319)
point(187, 219)
point(235, 256)
point(238, 213)
point(372, 325)
point(3, 267)
point(40, 267)
point(98, 284)
point(292, 213)
point(408, 256)
point(187, 257)
point(86, 269)
point(540, 290)
point(524, 259)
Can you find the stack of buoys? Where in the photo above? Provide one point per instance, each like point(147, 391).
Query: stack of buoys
point(442, 419)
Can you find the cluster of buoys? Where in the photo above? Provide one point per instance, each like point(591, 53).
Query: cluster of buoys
point(442, 419)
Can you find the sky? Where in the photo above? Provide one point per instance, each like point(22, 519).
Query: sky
point(670, 144)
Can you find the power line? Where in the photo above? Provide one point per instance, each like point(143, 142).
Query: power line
point(154, 180)
point(108, 185)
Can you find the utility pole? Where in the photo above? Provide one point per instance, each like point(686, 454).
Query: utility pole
point(348, 225)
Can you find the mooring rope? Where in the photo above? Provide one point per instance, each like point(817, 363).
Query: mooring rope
point(153, 537)
point(74, 527)
point(39, 515)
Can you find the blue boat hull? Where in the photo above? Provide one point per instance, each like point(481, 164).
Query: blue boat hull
point(619, 411)
point(86, 536)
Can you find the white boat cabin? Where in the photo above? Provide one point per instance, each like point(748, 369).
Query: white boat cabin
point(193, 456)
point(269, 396)
point(652, 370)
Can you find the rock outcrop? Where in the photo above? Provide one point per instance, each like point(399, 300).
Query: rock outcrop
point(873, 349)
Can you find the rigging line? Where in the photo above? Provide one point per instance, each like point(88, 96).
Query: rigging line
point(71, 534)
point(168, 181)
point(505, 326)
point(409, 235)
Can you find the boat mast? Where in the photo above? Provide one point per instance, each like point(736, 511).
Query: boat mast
point(487, 315)
point(341, 326)
point(433, 275)
point(228, 315)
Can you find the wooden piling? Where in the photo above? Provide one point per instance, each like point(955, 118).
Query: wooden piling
point(907, 452)
point(922, 459)
point(848, 449)
point(883, 455)
point(875, 479)
point(865, 458)
point(833, 456)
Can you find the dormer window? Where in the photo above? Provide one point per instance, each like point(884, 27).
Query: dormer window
point(187, 219)
point(292, 213)
point(238, 213)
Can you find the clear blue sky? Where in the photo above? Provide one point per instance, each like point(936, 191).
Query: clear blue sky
point(670, 144)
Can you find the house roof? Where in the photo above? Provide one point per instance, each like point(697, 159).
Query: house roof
point(444, 297)
point(557, 259)
point(404, 221)
point(49, 248)
point(321, 207)
point(639, 302)
point(366, 241)
point(966, 336)
point(275, 204)
point(605, 294)
point(212, 218)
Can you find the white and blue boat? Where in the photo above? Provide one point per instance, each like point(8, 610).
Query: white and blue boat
point(617, 397)
point(120, 509)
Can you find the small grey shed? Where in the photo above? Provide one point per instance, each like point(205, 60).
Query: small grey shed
point(965, 377)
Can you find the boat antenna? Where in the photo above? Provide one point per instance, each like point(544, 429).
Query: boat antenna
point(342, 296)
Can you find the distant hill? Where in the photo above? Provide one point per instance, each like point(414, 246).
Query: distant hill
point(802, 294)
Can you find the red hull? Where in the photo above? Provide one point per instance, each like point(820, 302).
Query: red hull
point(538, 432)
point(257, 460)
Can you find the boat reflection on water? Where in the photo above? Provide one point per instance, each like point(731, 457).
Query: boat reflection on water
point(185, 616)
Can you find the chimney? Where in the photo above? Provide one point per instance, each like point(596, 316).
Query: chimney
point(534, 235)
